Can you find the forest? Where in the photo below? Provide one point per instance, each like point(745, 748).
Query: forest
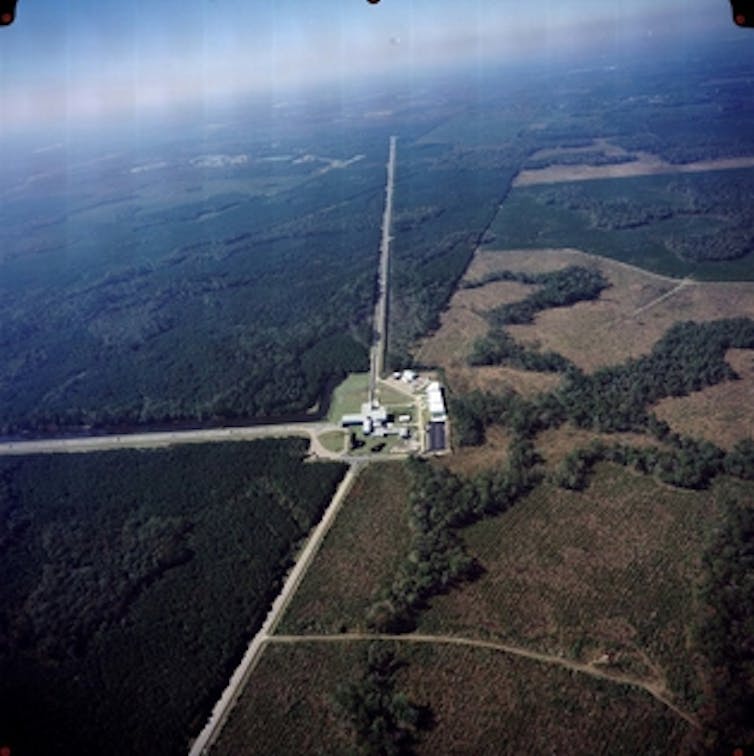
point(726, 628)
point(690, 224)
point(441, 503)
point(445, 199)
point(132, 582)
point(191, 293)
point(689, 357)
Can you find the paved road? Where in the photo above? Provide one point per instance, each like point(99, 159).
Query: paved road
point(230, 696)
point(171, 438)
point(654, 689)
point(377, 356)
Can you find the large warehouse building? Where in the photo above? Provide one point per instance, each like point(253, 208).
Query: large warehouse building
point(436, 435)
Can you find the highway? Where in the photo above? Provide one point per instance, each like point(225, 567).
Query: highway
point(377, 356)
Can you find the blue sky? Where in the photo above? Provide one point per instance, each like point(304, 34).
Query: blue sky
point(65, 59)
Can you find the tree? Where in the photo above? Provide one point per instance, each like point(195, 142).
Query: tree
point(385, 722)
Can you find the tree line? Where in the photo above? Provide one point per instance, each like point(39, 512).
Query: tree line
point(441, 503)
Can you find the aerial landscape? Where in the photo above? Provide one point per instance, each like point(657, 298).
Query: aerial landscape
point(384, 386)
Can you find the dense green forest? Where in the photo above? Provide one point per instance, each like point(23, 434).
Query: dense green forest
point(581, 157)
point(445, 198)
point(692, 224)
point(132, 581)
point(687, 462)
point(725, 631)
point(252, 314)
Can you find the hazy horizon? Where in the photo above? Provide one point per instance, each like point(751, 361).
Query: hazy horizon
point(70, 62)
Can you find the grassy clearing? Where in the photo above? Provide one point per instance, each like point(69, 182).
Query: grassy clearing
point(333, 441)
point(585, 333)
point(349, 396)
point(485, 702)
point(358, 556)
point(390, 396)
point(377, 445)
point(469, 460)
point(605, 575)
point(555, 444)
point(722, 414)
point(461, 325)
point(482, 702)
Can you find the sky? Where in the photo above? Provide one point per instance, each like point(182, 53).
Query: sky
point(64, 60)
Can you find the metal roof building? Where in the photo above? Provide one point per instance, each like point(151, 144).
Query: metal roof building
point(436, 402)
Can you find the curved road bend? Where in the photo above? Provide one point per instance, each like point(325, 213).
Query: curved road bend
point(235, 687)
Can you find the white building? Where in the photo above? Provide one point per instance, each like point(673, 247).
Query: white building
point(348, 420)
point(372, 416)
point(376, 413)
point(436, 401)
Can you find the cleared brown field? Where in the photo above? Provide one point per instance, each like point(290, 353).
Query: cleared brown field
point(482, 702)
point(626, 321)
point(723, 414)
point(287, 706)
point(460, 326)
point(555, 444)
point(486, 702)
point(646, 165)
point(604, 576)
point(463, 322)
point(358, 556)
point(470, 460)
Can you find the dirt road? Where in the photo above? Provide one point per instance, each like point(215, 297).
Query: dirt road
point(588, 669)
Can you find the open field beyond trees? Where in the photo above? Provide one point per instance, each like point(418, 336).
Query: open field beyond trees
point(723, 414)
point(627, 320)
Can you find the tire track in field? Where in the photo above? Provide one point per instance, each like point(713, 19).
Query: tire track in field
point(682, 285)
point(653, 690)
